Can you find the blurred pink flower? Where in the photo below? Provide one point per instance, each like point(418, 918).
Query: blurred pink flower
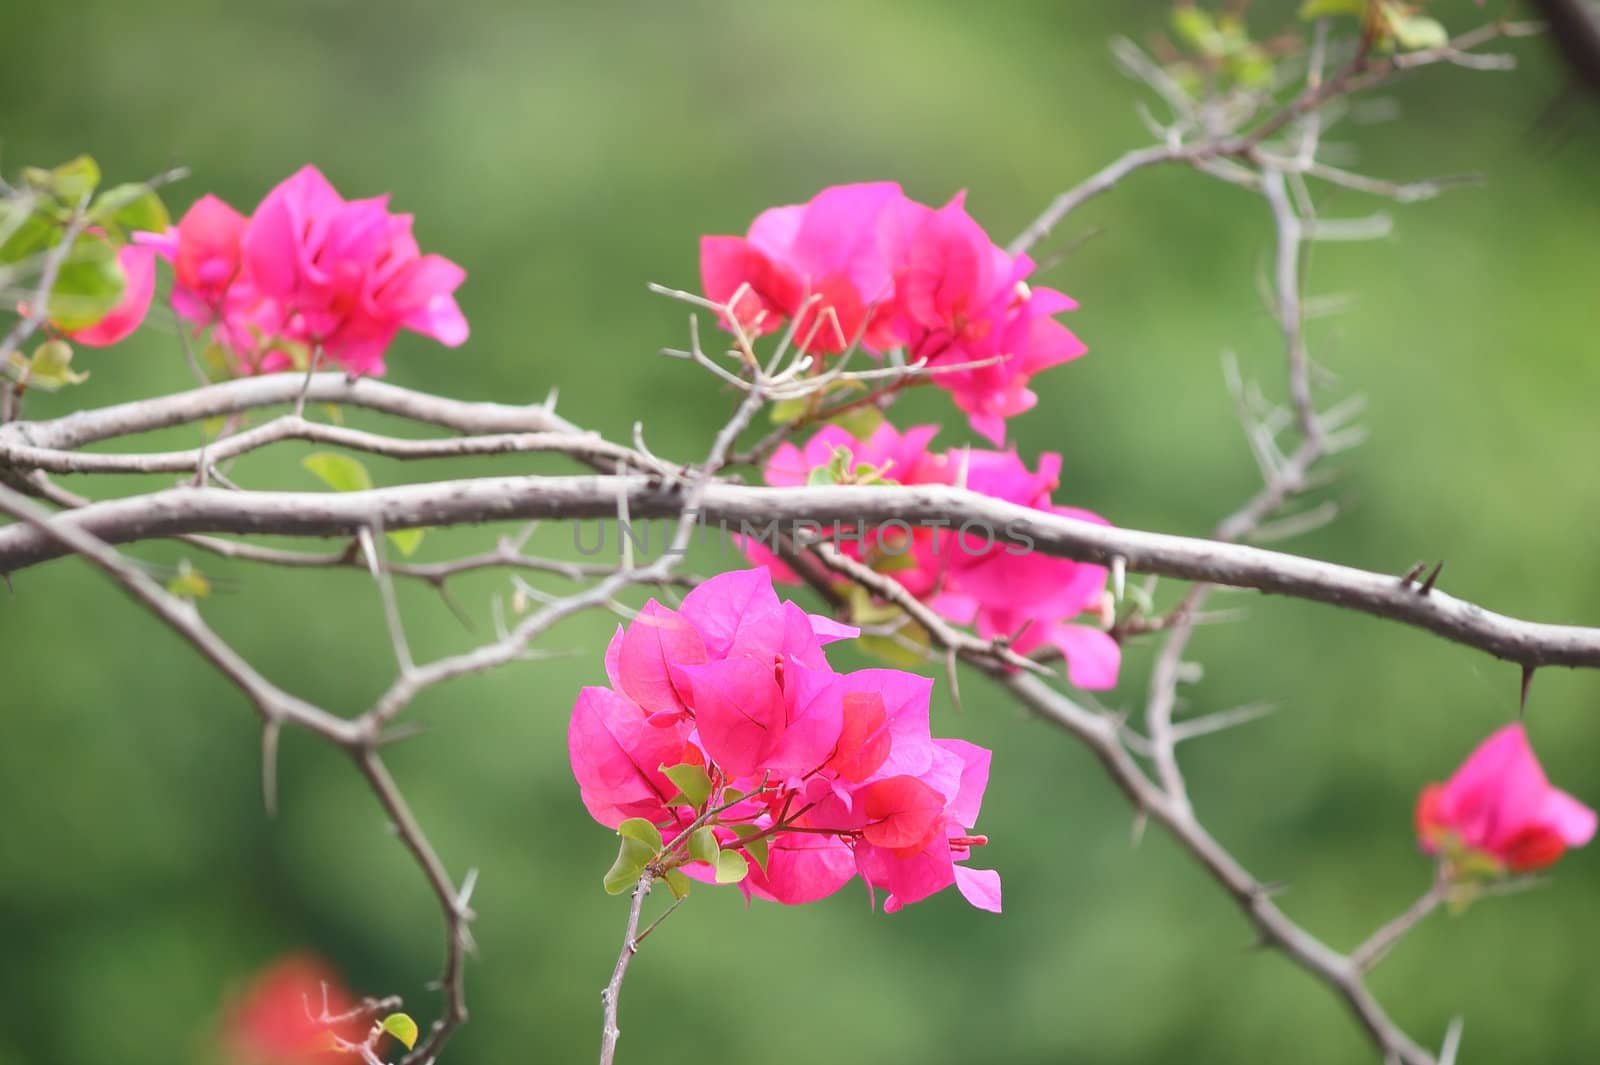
point(1499, 804)
point(278, 1020)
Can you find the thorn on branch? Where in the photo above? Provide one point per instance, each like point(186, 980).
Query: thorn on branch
point(1432, 578)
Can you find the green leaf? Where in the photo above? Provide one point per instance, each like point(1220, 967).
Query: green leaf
point(89, 284)
point(703, 845)
point(902, 649)
point(756, 848)
point(643, 831)
point(28, 236)
point(731, 867)
point(50, 368)
point(1315, 9)
point(840, 465)
point(822, 475)
point(131, 207)
point(1417, 31)
point(69, 182)
point(406, 541)
point(339, 472)
point(1250, 67)
point(1195, 27)
point(788, 411)
point(859, 422)
point(692, 782)
point(677, 883)
point(188, 582)
point(625, 872)
point(402, 1027)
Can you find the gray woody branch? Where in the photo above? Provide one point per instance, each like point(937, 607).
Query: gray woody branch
point(209, 510)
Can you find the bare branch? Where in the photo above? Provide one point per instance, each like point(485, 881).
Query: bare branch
point(190, 510)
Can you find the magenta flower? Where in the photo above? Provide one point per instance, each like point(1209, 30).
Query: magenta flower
point(139, 270)
point(819, 262)
point(863, 262)
point(966, 573)
point(1499, 806)
point(815, 777)
point(308, 270)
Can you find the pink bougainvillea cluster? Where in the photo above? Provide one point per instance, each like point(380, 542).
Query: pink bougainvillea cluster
point(866, 264)
point(815, 776)
point(966, 572)
point(307, 271)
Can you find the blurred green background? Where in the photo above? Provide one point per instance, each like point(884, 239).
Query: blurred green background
point(566, 154)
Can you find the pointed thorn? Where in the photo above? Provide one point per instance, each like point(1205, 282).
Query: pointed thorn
point(1433, 576)
point(1412, 573)
point(1527, 682)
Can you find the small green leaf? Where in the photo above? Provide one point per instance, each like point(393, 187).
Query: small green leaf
point(733, 795)
point(840, 465)
point(188, 582)
point(731, 867)
point(69, 182)
point(906, 649)
point(677, 883)
point(1414, 32)
point(402, 1027)
point(643, 831)
point(88, 285)
point(894, 562)
point(28, 236)
point(859, 422)
point(788, 411)
point(406, 541)
point(703, 845)
point(50, 368)
point(1315, 9)
point(131, 207)
point(756, 848)
point(822, 475)
point(692, 782)
point(339, 472)
point(1195, 27)
point(632, 857)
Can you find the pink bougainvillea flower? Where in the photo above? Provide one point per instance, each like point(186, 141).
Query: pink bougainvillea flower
point(896, 273)
point(967, 573)
point(278, 1020)
point(836, 774)
point(348, 273)
point(1499, 805)
point(139, 269)
point(819, 262)
point(203, 249)
point(308, 270)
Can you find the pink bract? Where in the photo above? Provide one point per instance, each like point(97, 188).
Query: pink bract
point(1500, 804)
point(309, 270)
point(968, 575)
point(864, 263)
point(841, 774)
